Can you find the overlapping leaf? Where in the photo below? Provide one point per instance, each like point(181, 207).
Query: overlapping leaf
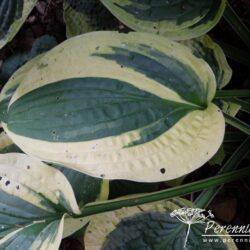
point(175, 19)
point(34, 198)
point(204, 47)
point(37, 202)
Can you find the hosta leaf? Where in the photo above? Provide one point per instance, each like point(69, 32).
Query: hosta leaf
point(84, 16)
point(13, 13)
point(204, 47)
point(176, 19)
point(37, 236)
point(10, 87)
point(126, 106)
point(33, 181)
point(86, 188)
point(150, 226)
point(33, 200)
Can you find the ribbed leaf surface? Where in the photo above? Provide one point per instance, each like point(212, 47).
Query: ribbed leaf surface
point(37, 236)
point(125, 106)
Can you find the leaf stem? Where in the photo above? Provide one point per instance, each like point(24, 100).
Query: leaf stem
point(242, 126)
point(100, 207)
point(207, 196)
point(235, 22)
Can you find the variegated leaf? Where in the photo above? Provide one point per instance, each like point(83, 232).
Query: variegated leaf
point(34, 208)
point(40, 235)
point(33, 200)
point(175, 19)
point(34, 182)
point(204, 47)
point(86, 188)
point(125, 106)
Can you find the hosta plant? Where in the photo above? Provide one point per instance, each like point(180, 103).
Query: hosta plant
point(136, 106)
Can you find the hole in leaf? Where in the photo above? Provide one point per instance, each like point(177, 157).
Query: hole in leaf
point(163, 170)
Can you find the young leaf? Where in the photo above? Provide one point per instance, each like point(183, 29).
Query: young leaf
point(130, 106)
